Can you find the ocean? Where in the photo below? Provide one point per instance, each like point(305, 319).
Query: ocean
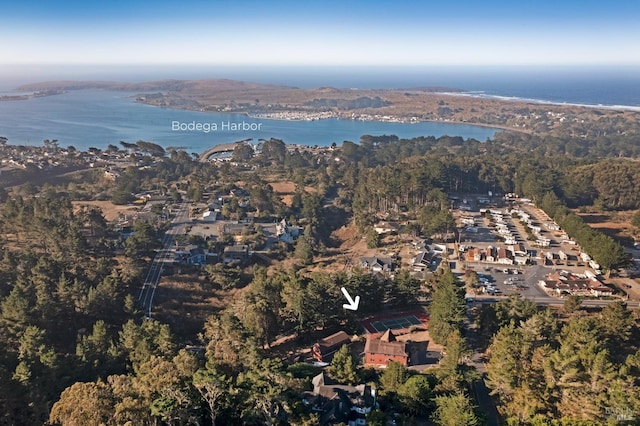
point(96, 118)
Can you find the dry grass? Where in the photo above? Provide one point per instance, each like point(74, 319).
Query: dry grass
point(617, 225)
point(187, 300)
point(109, 210)
point(286, 189)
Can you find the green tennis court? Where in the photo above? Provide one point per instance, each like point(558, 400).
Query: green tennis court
point(396, 323)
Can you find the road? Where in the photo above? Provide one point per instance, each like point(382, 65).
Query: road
point(548, 301)
point(177, 227)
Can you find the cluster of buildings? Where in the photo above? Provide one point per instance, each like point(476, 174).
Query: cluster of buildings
point(379, 350)
point(510, 255)
point(39, 157)
point(343, 404)
point(563, 282)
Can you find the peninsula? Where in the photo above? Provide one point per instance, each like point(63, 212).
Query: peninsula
point(268, 101)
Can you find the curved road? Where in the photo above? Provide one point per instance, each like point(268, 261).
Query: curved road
point(163, 255)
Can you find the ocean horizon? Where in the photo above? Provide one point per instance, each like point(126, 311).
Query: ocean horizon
point(579, 85)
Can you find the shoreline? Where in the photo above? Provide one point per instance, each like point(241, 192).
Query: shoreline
point(460, 93)
point(633, 108)
point(400, 121)
point(397, 120)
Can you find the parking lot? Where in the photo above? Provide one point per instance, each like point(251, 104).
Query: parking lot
point(523, 281)
point(502, 231)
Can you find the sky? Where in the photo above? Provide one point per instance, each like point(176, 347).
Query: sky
point(326, 33)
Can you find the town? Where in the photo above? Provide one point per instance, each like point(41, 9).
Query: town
point(236, 264)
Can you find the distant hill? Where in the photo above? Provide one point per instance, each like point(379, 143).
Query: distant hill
point(161, 85)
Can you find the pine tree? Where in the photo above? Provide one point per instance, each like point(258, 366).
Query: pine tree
point(344, 367)
point(455, 410)
point(448, 309)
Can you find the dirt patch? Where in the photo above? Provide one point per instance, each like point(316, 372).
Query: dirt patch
point(286, 189)
point(616, 225)
point(283, 187)
point(110, 211)
point(628, 286)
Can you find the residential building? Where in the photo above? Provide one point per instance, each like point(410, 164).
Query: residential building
point(339, 404)
point(235, 253)
point(209, 216)
point(422, 261)
point(286, 232)
point(385, 349)
point(386, 227)
point(377, 264)
point(324, 349)
point(505, 257)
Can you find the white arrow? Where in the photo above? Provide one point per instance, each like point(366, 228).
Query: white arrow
point(353, 304)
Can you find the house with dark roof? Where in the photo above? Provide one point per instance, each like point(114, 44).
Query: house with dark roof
point(385, 349)
point(236, 253)
point(377, 264)
point(422, 261)
point(191, 255)
point(505, 257)
point(324, 349)
point(339, 404)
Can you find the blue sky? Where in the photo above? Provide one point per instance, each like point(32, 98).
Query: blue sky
point(372, 33)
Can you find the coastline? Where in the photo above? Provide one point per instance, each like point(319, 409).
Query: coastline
point(399, 121)
point(499, 114)
point(328, 115)
point(632, 108)
point(28, 96)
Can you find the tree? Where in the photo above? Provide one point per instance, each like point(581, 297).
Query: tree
point(274, 150)
point(514, 308)
point(572, 304)
point(617, 322)
point(635, 219)
point(393, 377)
point(343, 366)
point(455, 410)
point(223, 276)
point(373, 239)
point(304, 251)
point(404, 289)
point(151, 148)
point(415, 395)
point(165, 385)
point(471, 280)
point(448, 308)
point(143, 241)
point(229, 346)
point(242, 152)
point(97, 350)
point(517, 366)
point(37, 360)
point(457, 352)
point(213, 388)
point(140, 342)
point(376, 418)
point(84, 404)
